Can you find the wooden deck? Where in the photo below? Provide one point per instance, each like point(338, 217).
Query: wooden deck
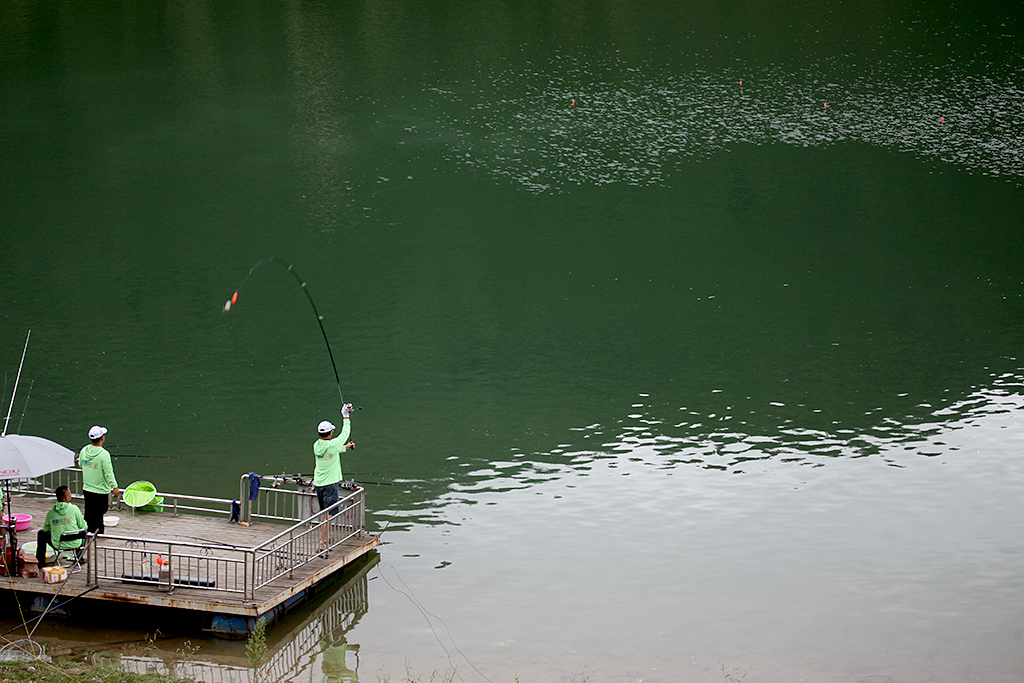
point(216, 534)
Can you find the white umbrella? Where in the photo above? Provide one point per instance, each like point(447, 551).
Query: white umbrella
point(26, 457)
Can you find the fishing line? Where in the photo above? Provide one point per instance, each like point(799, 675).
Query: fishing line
point(36, 658)
point(46, 611)
point(319, 318)
point(131, 455)
point(21, 612)
point(424, 613)
point(411, 596)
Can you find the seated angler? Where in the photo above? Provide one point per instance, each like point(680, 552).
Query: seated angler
point(64, 528)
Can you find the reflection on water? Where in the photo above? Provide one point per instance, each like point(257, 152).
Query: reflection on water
point(897, 561)
point(674, 365)
point(314, 635)
point(716, 442)
point(575, 123)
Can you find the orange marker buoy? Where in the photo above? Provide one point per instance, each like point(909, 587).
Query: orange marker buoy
point(741, 82)
point(234, 298)
point(826, 105)
point(942, 119)
point(574, 103)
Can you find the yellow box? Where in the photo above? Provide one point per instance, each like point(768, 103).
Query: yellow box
point(55, 574)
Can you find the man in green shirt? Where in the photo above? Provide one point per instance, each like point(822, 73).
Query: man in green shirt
point(327, 451)
point(97, 479)
point(63, 527)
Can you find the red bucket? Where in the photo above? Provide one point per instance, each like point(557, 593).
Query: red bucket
point(8, 562)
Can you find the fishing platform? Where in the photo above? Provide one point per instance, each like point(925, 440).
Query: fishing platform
point(186, 554)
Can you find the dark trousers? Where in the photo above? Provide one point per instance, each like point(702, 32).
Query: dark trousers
point(328, 496)
point(96, 505)
point(43, 540)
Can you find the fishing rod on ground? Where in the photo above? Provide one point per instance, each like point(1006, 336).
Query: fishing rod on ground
point(375, 483)
point(306, 480)
point(309, 297)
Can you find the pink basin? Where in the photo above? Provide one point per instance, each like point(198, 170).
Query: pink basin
point(21, 521)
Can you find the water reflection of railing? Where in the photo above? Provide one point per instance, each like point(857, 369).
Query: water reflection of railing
point(326, 630)
point(207, 672)
point(291, 653)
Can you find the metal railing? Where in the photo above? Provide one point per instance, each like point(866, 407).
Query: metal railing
point(71, 477)
point(168, 564)
point(214, 566)
point(280, 498)
point(47, 484)
point(212, 507)
point(311, 538)
point(208, 565)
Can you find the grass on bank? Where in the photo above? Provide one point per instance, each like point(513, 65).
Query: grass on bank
point(75, 672)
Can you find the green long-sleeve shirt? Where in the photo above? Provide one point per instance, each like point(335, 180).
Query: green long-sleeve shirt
point(64, 518)
point(328, 456)
point(97, 471)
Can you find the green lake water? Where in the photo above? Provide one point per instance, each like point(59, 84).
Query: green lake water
point(688, 333)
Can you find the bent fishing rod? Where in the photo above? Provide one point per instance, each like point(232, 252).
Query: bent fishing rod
point(319, 318)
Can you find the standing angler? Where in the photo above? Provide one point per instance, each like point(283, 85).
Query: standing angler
point(327, 451)
point(97, 479)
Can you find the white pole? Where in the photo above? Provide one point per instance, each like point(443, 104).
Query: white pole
point(20, 366)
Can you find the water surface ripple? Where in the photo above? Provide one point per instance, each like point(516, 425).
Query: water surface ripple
point(575, 122)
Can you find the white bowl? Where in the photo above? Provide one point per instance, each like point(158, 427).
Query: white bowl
point(110, 520)
point(30, 550)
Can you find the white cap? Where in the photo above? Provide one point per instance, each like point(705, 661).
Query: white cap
point(324, 427)
point(96, 432)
